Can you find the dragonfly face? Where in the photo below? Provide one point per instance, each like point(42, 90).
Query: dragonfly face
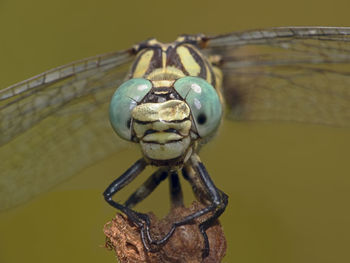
point(164, 133)
point(168, 105)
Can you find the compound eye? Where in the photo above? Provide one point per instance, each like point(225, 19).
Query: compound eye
point(124, 99)
point(203, 101)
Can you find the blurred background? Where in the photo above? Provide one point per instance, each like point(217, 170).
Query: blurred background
point(288, 183)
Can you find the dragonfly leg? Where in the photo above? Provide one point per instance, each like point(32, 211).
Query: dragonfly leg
point(176, 196)
point(218, 202)
point(139, 219)
point(146, 188)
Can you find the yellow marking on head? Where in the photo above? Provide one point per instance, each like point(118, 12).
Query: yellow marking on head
point(188, 61)
point(165, 151)
point(143, 64)
point(162, 92)
point(171, 110)
point(162, 83)
point(168, 73)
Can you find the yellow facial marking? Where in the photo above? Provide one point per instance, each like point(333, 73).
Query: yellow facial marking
point(165, 151)
point(162, 83)
point(168, 73)
point(172, 110)
point(162, 137)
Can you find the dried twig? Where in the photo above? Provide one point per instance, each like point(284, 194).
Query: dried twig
point(184, 246)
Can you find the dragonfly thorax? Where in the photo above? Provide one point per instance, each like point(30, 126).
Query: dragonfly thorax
point(171, 61)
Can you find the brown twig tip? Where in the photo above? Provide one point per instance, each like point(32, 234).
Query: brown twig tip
point(186, 244)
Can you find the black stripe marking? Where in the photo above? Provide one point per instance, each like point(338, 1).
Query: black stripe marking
point(173, 59)
point(163, 143)
point(213, 77)
point(156, 60)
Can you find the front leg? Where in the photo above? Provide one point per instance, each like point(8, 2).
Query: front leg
point(121, 182)
point(137, 218)
point(146, 188)
point(218, 206)
point(217, 203)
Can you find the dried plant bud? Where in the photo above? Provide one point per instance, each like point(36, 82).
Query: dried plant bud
point(186, 244)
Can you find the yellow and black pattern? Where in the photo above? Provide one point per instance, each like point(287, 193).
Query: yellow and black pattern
point(158, 61)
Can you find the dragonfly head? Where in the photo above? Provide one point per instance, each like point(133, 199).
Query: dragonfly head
point(167, 119)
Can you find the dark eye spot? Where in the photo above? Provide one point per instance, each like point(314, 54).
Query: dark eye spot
point(201, 119)
point(128, 124)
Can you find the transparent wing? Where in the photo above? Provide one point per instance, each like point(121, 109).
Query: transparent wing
point(55, 124)
point(287, 74)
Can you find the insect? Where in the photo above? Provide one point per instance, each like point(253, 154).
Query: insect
point(169, 99)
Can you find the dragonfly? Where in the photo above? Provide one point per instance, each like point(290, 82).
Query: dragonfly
point(170, 99)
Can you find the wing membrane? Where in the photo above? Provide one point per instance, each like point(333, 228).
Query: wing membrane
point(55, 124)
point(287, 74)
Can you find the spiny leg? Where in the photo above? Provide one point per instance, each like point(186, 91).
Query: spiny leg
point(176, 199)
point(137, 218)
point(203, 195)
point(176, 196)
point(121, 182)
point(141, 220)
point(200, 192)
point(218, 203)
point(206, 193)
point(147, 187)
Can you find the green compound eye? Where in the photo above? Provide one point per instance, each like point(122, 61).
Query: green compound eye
point(123, 101)
point(203, 101)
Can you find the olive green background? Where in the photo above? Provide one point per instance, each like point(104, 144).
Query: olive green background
point(288, 184)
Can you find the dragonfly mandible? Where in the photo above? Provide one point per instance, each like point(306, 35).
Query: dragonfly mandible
point(55, 123)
